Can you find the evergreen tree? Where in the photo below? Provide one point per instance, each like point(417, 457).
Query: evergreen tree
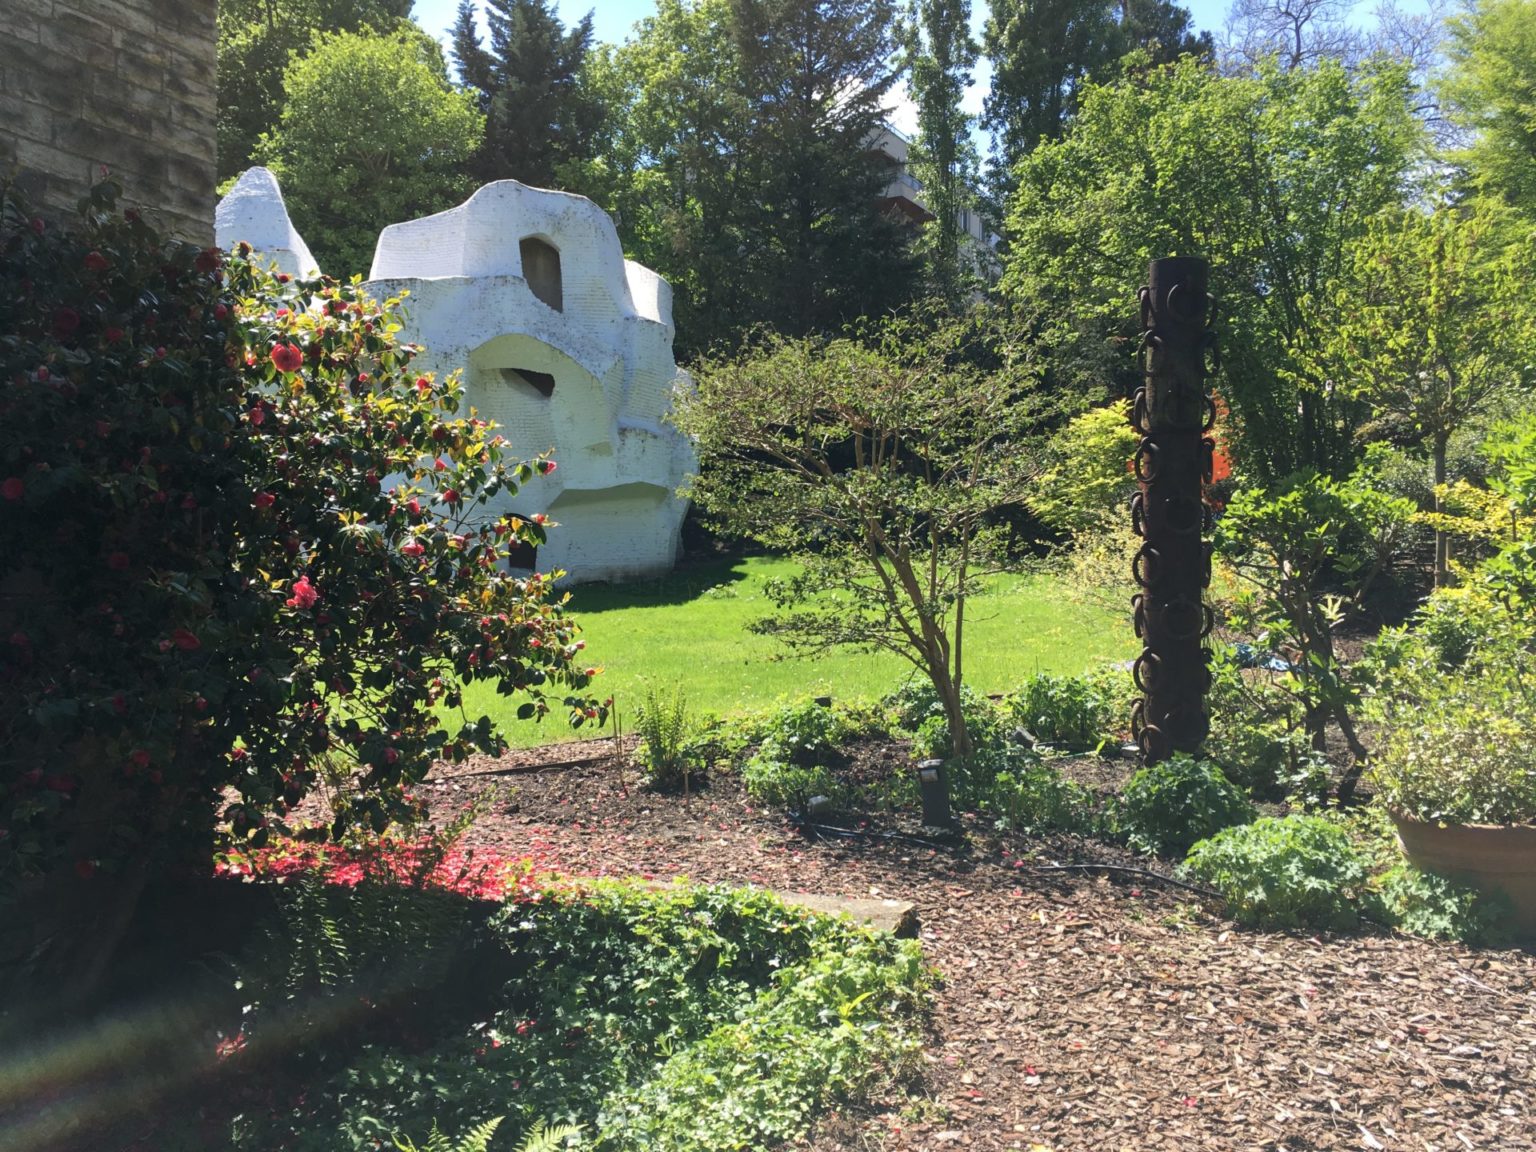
point(816, 75)
point(1043, 50)
point(541, 118)
point(940, 54)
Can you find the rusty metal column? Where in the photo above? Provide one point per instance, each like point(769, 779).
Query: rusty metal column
point(1173, 462)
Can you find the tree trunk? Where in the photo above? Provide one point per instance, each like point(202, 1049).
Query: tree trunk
point(1442, 541)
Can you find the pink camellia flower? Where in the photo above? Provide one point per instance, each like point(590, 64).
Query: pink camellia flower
point(304, 594)
point(287, 357)
point(185, 640)
point(209, 259)
point(450, 496)
point(140, 758)
point(546, 466)
point(13, 487)
point(65, 321)
point(539, 518)
point(257, 415)
point(391, 756)
point(96, 262)
point(220, 311)
point(413, 507)
point(412, 548)
point(438, 465)
point(113, 334)
point(264, 500)
point(423, 384)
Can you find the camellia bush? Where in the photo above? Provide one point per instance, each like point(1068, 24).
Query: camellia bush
point(240, 550)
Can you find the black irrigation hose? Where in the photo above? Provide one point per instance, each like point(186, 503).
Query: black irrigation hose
point(1124, 869)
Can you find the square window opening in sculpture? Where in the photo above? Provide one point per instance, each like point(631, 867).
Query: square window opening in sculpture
point(541, 382)
point(541, 269)
point(523, 555)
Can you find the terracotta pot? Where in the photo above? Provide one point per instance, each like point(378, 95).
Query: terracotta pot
point(1489, 857)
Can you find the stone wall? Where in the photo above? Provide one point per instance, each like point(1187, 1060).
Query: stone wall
point(124, 83)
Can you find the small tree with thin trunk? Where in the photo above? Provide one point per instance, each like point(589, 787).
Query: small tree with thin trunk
point(1434, 322)
point(883, 471)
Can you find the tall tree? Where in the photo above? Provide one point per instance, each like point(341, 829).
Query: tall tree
point(1433, 325)
point(750, 183)
point(257, 38)
point(1271, 176)
point(1295, 33)
point(817, 75)
point(1491, 91)
point(541, 117)
point(940, 54)
point(1042, 51)
point(372, 133)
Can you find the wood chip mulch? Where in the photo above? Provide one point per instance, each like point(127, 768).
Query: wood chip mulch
point(1077, 1010)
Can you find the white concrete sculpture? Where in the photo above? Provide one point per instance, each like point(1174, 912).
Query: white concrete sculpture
point(567, 346)
point(253, 211)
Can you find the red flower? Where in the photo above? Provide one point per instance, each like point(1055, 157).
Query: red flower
point(287, 357)
point(450, 496)
point(546, 466)
point(390, 755)
point(304, 594)
point(208, 260)
point(13, 487)
point(96, 262)
point(257, 415)
point(120, 704)
point(412, 548)
point(538, 518)
point(113, 334)
point(85, 869)
point(118, 561)
point(264, 500)
point(65, 321)
point(38, 225)
point(414, 507)
point(140, 758)
point(185, 640)
point(438, 465)
point(220, 311)
point(423, 384)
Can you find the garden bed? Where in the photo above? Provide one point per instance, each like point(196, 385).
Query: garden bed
point(1088, 1010)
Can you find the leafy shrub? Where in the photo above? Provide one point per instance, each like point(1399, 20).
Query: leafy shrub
point(1428, 904)
point(1284, 872)
point(1165, 807)
point(986, 725)
point(1074, 711)
point(797, 751)
point(237, 533)
point(1456, 744)
point(1086, 476)
point(687, 1019)
point(778, 784)
point(664, 729)
point(1033, 798)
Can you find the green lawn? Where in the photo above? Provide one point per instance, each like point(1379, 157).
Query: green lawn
point(690, 629)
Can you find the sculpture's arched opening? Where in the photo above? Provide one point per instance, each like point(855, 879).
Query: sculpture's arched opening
point(541, 269)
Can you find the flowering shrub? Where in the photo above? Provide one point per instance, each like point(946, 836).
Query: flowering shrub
point(237, 534)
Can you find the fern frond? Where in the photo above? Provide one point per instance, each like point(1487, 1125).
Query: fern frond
point(543, 1138)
